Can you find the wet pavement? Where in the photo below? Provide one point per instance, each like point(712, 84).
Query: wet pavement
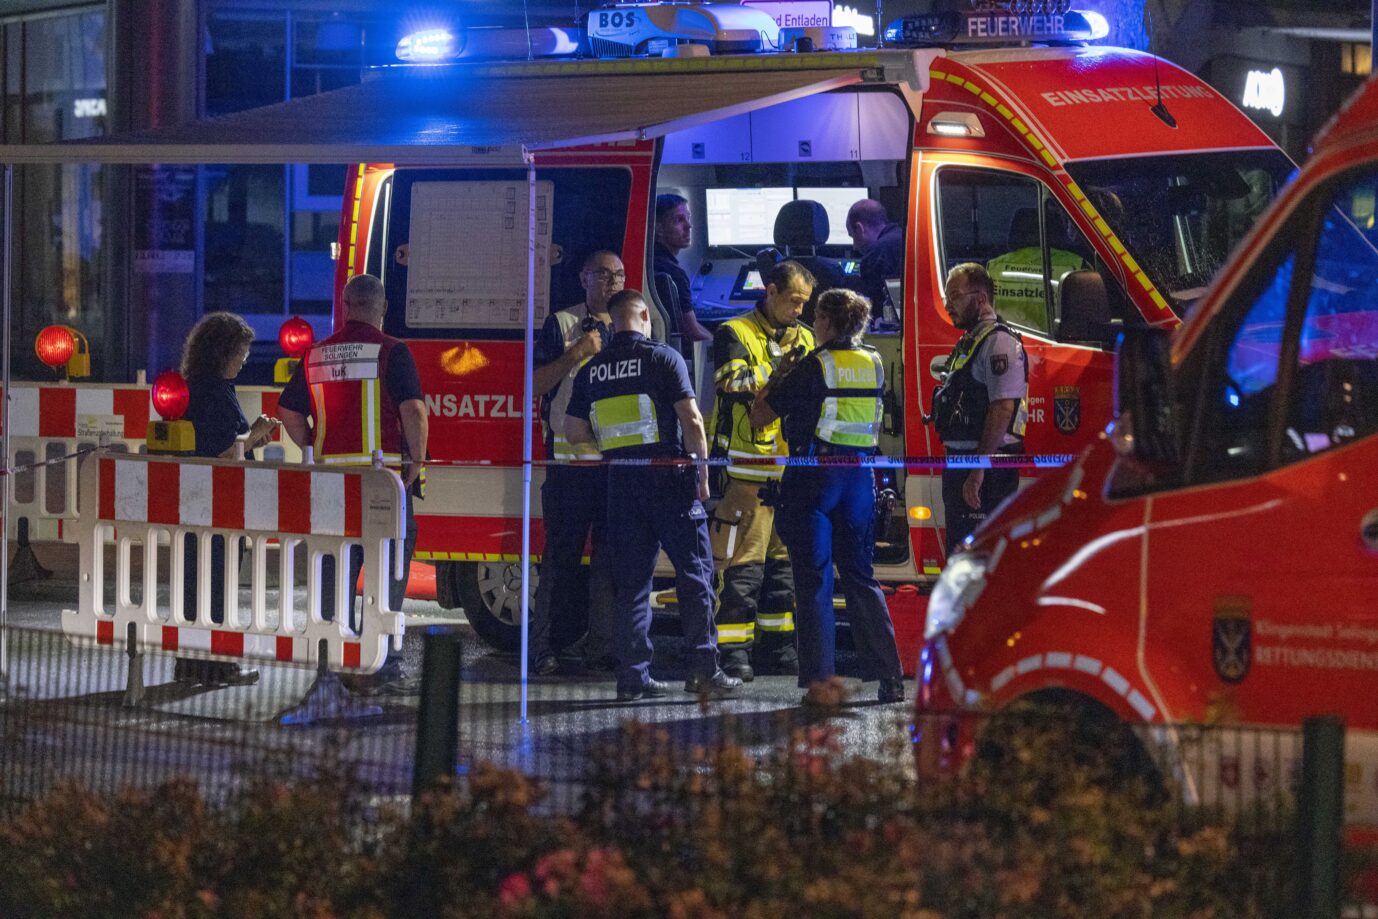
point(66, 713)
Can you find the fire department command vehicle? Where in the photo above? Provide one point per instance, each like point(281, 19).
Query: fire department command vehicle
point(1214, 558)
point(1103, 187)
point(1110, 185)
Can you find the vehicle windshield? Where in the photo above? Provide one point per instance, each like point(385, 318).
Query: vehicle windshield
point(1180, 216)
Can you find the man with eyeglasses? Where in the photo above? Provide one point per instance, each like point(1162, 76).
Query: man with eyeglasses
point(573, 498)
point(981, 407)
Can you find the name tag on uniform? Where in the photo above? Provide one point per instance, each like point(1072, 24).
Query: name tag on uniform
point(343, 361)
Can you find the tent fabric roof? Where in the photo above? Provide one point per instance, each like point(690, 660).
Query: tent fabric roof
point(440, 115)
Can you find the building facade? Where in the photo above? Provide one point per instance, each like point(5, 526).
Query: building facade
point(133, 256)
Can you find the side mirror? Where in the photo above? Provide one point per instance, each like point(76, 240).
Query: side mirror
point(1145, 423)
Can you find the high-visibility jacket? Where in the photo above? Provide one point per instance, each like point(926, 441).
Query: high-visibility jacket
point(961, 402)
point(628, 408)
point(353, 411)
point(1019, 283)
point(571, 325)
point(854, 382)
point(748, 350)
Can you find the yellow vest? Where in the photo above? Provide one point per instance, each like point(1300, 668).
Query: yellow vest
point(1019, 283)
point(734, 381)
point(852, 409)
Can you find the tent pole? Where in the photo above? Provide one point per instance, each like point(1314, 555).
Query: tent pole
point(528, 356)
point(6, 271)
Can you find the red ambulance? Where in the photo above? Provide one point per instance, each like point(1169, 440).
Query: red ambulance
point(1214, 558)
point(1108, 185)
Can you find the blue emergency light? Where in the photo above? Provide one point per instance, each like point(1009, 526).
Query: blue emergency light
point(428, 45)
point(992, 26)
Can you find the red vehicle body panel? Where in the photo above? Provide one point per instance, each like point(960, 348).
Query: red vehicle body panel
point(1124, 600)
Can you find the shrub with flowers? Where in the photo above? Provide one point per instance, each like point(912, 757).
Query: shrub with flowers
point(665, 830)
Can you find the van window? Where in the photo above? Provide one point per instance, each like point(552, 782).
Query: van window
point(1180, 215)
point(1042, 265)
point(992, 217)
point(1334, 397)
point(1235, 421)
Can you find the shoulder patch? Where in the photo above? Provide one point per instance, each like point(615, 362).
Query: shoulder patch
point(999, 364)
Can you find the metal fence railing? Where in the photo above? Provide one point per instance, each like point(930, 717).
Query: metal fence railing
point(64, 718)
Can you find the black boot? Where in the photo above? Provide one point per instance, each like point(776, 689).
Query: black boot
point(737, 663)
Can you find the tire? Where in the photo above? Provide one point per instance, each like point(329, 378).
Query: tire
point(1078, 728)
point(491, 598)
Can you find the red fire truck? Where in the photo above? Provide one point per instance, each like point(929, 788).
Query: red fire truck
point(1117, 180)
point(1214, 558)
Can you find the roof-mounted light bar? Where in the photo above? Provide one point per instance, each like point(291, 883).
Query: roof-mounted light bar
point(998, 25)
point(428, 46)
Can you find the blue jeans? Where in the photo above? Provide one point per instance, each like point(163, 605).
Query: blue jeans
point(827, 516)
point(648, 508)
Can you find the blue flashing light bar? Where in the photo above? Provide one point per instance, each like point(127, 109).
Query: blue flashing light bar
point(995, 26)
point(427, 45)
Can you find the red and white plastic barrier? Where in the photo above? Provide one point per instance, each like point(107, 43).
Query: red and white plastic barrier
point(153, 502)
point(51, 424)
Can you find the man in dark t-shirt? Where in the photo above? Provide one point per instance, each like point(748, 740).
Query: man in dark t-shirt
point(673, 230)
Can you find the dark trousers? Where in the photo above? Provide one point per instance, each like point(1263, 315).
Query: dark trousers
point(962, 521)
point(217, 576)
point(574, 501)
point(397, 589)
point(826, 517)
point(650, 508)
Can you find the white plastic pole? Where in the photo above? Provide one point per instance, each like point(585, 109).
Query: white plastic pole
point(5, 428)
point(527, 387)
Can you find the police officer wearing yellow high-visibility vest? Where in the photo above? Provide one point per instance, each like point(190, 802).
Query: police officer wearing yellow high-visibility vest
point(830, 407)
point(355, 394)
point(573, 498)
point(634, 399)
point(981, 408)
point(756, 600)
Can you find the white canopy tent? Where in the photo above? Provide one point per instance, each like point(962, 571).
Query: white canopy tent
point(447, 115)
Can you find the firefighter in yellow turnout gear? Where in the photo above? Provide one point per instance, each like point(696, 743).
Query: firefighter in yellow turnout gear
point(756, 596)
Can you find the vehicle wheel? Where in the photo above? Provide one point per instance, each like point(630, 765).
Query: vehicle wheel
point(1069, 729)
point(490, 593)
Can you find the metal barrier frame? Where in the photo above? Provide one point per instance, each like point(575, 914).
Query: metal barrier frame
point(156, 501)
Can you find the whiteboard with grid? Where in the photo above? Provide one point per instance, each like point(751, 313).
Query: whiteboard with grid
point(467, 252)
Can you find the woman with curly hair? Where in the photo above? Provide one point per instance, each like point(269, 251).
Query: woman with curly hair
point(830, 406)
point(214, 354)
point(212, 357)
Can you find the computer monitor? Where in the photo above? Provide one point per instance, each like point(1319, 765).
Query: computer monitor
point(837, 202)
point(749, 285)
point(744, 217)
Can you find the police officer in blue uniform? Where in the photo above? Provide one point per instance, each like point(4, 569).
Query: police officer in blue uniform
point(634, 400)
point(830, 405)
point(982, 406)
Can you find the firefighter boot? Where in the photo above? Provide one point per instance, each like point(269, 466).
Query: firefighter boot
point(782, 658)
point(736, 662)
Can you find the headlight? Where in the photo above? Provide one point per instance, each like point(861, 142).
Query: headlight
point(958, 587)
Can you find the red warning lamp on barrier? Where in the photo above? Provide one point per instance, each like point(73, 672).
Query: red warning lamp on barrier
point(171, 397)
point(55, 345)
point(296, 338)
point(63, 346)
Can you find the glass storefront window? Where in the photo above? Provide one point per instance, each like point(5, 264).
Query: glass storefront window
point(269, 230)
point(55, 90)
